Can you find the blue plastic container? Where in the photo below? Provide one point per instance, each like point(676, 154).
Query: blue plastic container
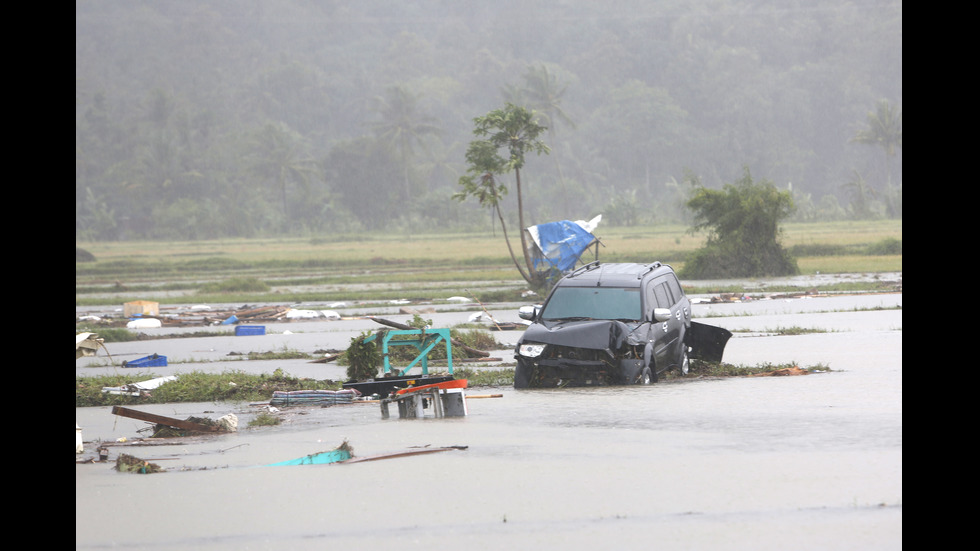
point(242, 330)
point(154, 360)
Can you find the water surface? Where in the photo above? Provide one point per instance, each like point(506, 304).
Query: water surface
point(810, 462)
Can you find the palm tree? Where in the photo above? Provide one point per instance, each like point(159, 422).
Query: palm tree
point(543, 93)
point(516, 130)
point(488, 192)
point(403, 126)
point(282, 157)
point(884, 129)
point(861, 196)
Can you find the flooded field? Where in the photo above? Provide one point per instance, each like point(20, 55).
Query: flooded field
point(807, 462)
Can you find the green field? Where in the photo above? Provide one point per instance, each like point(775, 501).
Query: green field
point(382, 266)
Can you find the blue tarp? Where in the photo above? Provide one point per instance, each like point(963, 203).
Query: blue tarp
point(560, 245)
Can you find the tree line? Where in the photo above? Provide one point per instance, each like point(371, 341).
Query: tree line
point(280, 117)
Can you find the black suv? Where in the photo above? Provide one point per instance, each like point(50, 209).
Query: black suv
point(609, 324)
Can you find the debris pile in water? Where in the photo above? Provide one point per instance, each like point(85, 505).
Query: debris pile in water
point(129, 464)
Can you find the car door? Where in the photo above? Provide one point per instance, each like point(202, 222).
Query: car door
point(681, 310)
point(666, 333)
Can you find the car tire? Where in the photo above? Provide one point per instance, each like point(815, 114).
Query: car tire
point(522, 375)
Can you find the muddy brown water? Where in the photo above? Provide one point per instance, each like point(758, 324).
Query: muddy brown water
point(807, 462)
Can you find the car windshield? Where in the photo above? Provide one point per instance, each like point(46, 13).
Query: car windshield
point(613, 303)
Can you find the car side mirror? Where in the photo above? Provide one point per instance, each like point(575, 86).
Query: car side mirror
point(661, 314)
point(528, 312)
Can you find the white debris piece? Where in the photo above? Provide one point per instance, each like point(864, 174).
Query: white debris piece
point(481, 316)
point(591, 225)
point(229, 422)
point(302, 314)
point(87, 344)
point(144, 323)
point(134, 389)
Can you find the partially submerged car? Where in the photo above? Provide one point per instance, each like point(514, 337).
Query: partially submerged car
point(607, 324)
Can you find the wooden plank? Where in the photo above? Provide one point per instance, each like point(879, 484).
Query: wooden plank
point(456, 383)
point(161, 420)
point(400, 454)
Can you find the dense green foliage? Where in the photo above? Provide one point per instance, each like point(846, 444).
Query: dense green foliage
point(742, 221)
point(282, 117)
point(363, 357)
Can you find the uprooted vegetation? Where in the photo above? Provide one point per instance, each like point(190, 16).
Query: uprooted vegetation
point(700, 369)
point(363, 356)
point(238, 386)
point(194, 386)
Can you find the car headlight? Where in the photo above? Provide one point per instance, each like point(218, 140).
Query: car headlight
point(531, 350)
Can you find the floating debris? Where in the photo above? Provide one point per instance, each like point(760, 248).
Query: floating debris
point(283, 398)
point(126, 463)
point(178, 427)
point(88, 344)
point(144, 323)
point(140, 388)
point(784, 372)
point(447, 400)
point(342, 452)
point(153, 360)
point(408, 453)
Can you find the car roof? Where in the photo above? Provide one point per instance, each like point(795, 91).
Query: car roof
point(625, 274)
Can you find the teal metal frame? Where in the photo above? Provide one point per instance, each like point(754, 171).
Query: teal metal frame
point(426, 341)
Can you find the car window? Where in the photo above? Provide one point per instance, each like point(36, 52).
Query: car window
point(662, 296)
point(675, 288)
point(593, 302)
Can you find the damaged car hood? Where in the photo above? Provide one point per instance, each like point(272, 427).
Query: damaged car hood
point(594, 334)
point(707, 342)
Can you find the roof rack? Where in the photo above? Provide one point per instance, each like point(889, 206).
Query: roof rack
point(648, 268)
point(590, 266)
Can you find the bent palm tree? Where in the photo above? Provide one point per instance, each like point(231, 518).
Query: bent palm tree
point(516, 130)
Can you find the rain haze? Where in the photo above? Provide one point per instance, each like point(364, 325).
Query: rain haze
point(258, 118)
point(215, 119)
